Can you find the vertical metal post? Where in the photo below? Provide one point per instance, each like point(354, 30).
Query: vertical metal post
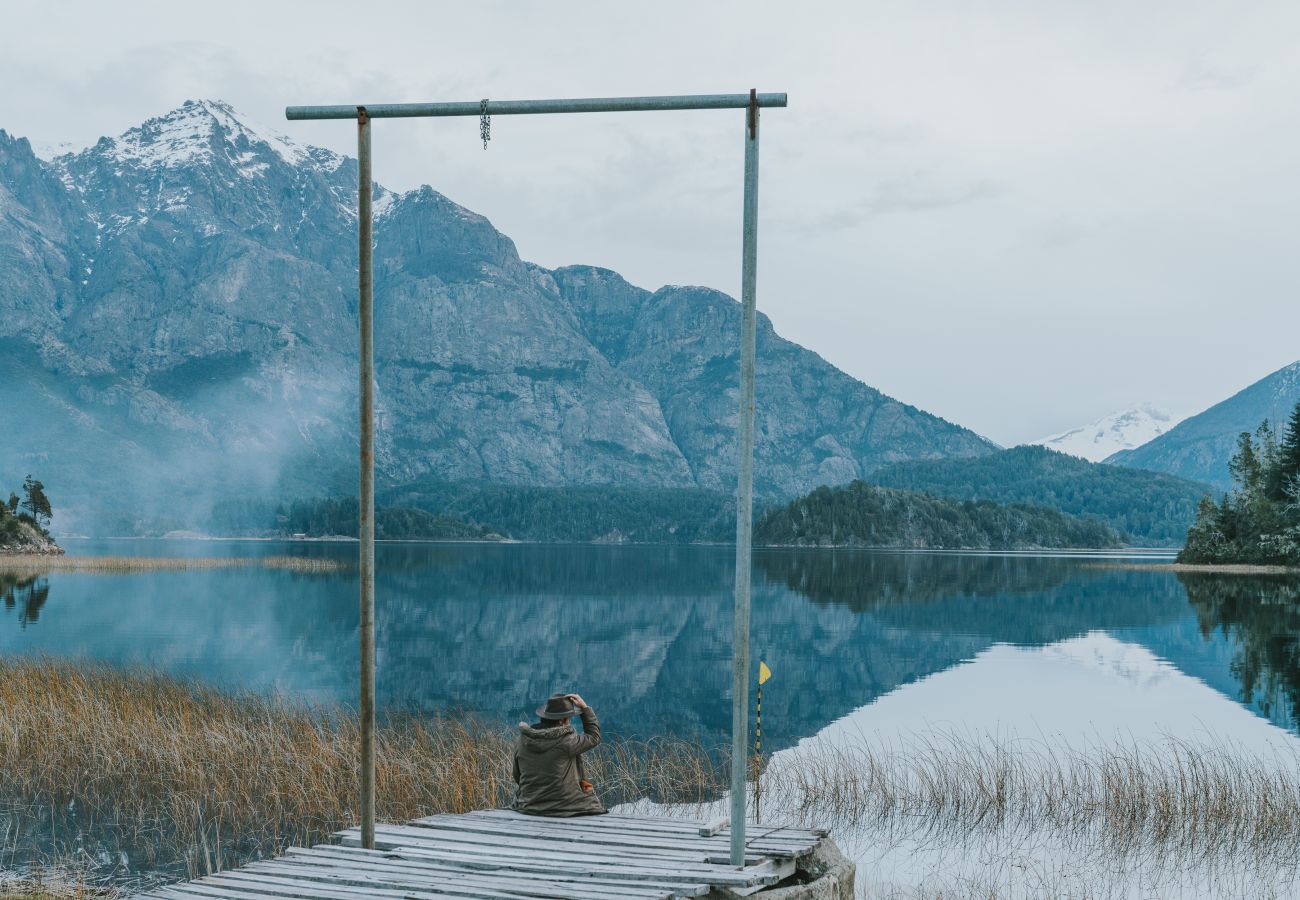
point(744, 492)
point(366, 525)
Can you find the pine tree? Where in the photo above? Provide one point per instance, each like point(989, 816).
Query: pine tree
point(36, 503)
point(1205, 538)
point(1287, 464)
point(1246, 469)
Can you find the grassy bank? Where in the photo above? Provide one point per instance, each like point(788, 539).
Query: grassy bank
point(1209, 568)
point(1169, 798)
point(188, 779)
point(54, 885)
point(35, 564)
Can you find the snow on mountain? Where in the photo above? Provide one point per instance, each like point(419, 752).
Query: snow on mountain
point(1122, 430)
point(177, 305)
point(48, 151)
point(200, 128)
point(1200, 446)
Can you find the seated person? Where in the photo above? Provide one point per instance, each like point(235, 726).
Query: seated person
point(548, 761)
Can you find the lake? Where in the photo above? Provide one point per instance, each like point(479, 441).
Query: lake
point(1062, 649)
point(893, 640)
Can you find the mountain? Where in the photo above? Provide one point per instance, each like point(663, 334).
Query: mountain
point(1199, 447)
point(1106, 436)
point(178, 326)
point(1147, 507)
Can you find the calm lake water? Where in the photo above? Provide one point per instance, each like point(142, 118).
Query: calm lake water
point(876, 646)
point(888, 642)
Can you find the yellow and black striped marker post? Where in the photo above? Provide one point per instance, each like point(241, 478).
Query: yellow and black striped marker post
point(764, 673)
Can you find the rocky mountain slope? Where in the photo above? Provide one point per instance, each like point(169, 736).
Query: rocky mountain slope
point(1199, 447)
point(177, 325)
point(1110, 434)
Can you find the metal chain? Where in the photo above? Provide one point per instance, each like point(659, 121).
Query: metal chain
point(484, 122)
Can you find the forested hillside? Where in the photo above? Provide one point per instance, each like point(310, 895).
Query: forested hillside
point(864, 515)
point(1259, 520)
point(1147, 508)
point(474, 511)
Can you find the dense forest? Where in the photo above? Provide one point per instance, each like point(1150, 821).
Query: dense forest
point(1148, 508)
point(337, 517)
point(1258, 521)
point(474, 511)
point(588, 513)
point(864, 515)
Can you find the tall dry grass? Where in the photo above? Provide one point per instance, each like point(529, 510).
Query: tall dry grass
point(190, 779)
point(37, 564)
point(1171, 798)
point(198, 778)
point(54, 884)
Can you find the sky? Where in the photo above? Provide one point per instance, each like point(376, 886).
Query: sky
point(1020, 216)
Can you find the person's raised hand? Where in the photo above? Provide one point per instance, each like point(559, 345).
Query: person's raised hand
point(577, 701)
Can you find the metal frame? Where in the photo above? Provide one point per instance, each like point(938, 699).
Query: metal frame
point(363, 115)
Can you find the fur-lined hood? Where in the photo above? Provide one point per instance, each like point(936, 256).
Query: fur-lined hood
point(539, 740)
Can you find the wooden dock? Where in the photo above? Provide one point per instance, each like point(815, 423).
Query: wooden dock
point(504, 855)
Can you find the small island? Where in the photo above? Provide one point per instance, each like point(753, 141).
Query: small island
point(24, 522)
point(864, 515)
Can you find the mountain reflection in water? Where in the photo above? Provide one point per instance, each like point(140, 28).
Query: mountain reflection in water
point(645, 632)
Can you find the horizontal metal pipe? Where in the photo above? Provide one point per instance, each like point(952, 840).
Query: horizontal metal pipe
point(533, 107)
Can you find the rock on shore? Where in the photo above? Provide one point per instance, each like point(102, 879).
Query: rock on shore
point(28, 540)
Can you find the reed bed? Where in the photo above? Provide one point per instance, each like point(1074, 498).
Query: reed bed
point(1169, 799)
point(54, 884)
point(1209, 568)
point(37, 564)
point(103, 763)
point(188, 776)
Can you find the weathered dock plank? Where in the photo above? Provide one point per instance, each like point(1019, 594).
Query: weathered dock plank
point(503, 855)
point(347, 855)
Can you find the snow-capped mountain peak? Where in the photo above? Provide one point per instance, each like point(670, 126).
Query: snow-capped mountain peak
point(198, 130)
point(52, 150)
point(1121, 430)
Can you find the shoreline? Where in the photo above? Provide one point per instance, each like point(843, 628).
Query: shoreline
point(1205, 568)
point(37, 564)
point(886, 548)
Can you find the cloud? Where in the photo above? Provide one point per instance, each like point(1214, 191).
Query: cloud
point(1037, 159)
point(913, 194)
point(1202, 75)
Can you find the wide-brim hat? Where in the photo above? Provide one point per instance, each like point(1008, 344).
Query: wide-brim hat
point(557, 706)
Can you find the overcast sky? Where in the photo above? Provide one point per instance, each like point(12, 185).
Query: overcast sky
point(1018, 216)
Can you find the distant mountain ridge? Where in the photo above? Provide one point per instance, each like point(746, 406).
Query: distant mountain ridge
point(177, 326)
point(1121, 430)
point(1145, 507)
point(1200, 446)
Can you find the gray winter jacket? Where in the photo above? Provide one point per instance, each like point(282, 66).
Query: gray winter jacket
point(548, 769)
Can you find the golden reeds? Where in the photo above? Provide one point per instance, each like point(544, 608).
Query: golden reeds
point(193, 775)
point(1171, 798)
point(1210, 568)
point(192, 779)
point(37, 564)
point(54, 884)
